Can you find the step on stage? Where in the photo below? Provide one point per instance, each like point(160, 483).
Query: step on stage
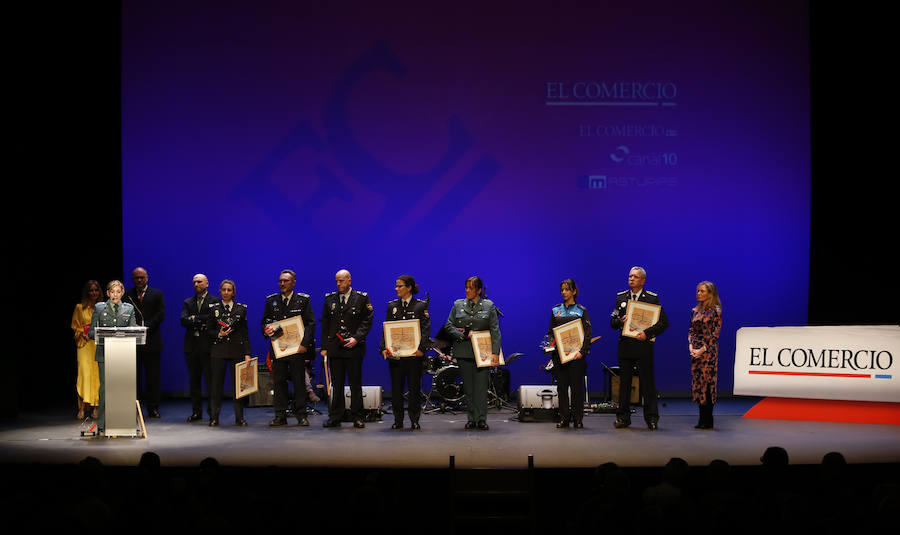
point(54, 437)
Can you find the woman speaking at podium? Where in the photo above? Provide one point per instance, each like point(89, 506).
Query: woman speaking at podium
point(111, 313)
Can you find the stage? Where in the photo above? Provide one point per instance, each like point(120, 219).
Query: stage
point(54, 437)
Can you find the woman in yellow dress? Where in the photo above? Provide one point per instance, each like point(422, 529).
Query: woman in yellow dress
point(88, 382)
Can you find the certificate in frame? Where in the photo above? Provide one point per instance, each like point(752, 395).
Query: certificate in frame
point(481, 346)
point(402, 338)
point(288, 342)
point(639, 316)
point(246, 377)
point(569, 339)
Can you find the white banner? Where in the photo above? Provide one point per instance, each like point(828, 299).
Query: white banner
point(857, 363)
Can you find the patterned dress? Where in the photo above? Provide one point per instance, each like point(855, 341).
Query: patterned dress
point(705, 328)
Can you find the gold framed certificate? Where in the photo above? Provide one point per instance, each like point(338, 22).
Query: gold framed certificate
point(288, 342)
point(246, 378)
point(402, 338)
point(569, 339)
point(482, 347)
point(639, 316)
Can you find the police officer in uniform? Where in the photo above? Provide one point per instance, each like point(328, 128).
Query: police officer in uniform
point(571, 374)
point(637, 351)
point(474, 313)
point(194, 319)
point(112, 313)
point(407, 307)
point(346, 321)
point(227, 327)
point(288, 304)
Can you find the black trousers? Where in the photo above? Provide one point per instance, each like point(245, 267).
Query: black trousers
point(148, 369)
point(292, 369)
point(220, 368)
point(570, 376)
point(351, 368)
point(408, 369)
point(198, 366)
point(642, 356)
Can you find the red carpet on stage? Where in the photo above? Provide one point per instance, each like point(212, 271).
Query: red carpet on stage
point(826, 410)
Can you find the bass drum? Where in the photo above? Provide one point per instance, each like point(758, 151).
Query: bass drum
point(448, 383)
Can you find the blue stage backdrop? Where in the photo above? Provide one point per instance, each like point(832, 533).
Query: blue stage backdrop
point(521, 143)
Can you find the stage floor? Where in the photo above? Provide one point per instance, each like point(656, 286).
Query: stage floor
point(54, 437)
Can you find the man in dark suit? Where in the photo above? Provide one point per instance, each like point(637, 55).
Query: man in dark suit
point(637, 350)
point(150, 309)
point(346, 321)
point(194, 318)
point(283, 305)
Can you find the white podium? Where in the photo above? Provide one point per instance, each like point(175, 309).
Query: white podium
point(119, 380)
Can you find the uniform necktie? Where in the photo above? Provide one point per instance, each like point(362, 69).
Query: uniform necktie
point(141, 297)
point(285, 301)
point(199, 302)
point(343, 300)
point(227, 308)
point(115, 310)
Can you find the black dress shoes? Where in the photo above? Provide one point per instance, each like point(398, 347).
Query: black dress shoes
point(279, 421)
point(302, 421)
point(154, 413)
point(195, 417)
point(415, 426)
point(214, 422)
point(482, 425)
point(331, 423)
point(470, 425)
point(621, 424)
point(359, 424)
point(578, 425)
point(562, 424)
point(240, 423)
point(397, 425)
point(703, 426)
point(653, 426)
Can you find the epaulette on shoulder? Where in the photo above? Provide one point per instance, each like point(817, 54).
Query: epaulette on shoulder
point(271, 296)
point(330, 294)
point(241, 304)
point(215, 304)
point(301, 294)
point(623, 293)
point(579, 305)
point(488, 302)
point(651, 293)
point(363, 293)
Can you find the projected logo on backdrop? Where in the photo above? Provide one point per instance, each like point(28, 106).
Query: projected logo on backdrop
point(339, 142)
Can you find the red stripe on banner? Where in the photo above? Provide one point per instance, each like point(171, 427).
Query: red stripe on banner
point(826, 410)
point(814, 374)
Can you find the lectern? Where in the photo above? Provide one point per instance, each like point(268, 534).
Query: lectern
point(119, 378)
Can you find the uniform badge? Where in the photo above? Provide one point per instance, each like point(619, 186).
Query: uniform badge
point(217, 312)
point(426, 314)
point(369, 306)
point(624, 304)
point(333, 305)
point(395, 310)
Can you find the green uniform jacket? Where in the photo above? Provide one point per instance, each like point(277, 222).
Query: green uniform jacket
point(480, 315)
point(103, 317)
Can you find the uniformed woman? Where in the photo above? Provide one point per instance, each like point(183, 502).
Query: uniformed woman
point(474, 313)
point(112, 313)
point(230, 344)
point(571, 374)
point(407, 307)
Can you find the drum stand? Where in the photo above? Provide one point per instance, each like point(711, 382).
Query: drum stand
point(494, 398)
point(430, 407)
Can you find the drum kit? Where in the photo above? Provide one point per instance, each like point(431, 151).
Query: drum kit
point(446, 380)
